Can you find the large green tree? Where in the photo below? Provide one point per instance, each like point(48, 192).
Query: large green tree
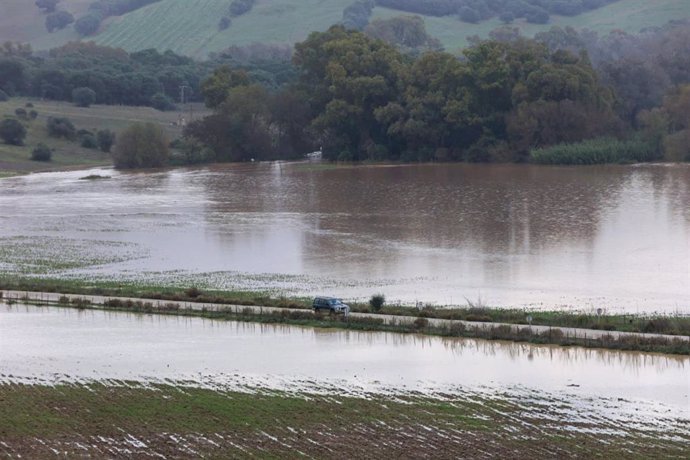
point(141, 145)
point(12, 131)
point(348, 76)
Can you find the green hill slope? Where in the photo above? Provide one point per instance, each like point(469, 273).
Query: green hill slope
point(191, 26)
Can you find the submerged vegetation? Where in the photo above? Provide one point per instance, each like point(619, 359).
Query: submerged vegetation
point(179, 420)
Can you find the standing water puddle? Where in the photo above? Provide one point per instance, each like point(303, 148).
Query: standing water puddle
point(55, 344)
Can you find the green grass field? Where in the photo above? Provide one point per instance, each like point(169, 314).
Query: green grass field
point(14, 159)
point(191, 26)
point(628, 15)
point(170, 421)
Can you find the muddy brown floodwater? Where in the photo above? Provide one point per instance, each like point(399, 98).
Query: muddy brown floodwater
point(616, 237)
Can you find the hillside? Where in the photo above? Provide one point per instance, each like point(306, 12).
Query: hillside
point(68, 154)
point(191, 26)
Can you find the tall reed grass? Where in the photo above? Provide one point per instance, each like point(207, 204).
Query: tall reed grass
point(596, 151)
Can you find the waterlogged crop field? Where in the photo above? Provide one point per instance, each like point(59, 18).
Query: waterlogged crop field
point(103, 384)
point(126, 419)
point(43, 255)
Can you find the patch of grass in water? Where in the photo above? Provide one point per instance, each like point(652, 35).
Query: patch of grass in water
point(94, 177)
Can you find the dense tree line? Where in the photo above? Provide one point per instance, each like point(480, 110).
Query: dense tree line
point(362, 99)
point(356, 15)
point(536, 11)
point(407, 33)
point(648, 72)
point(116, 77)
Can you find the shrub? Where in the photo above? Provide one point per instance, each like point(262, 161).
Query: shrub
point(3, 96)
point(657, 325)
point(376, 302)
point(240, 7)
point(105, 139)
point(88, 25)
point(470, 15)
point(193, 292)
point(141, 145)
point(162, 102)
point(224, 23)
point(33, 114)
point(47, 5)
point(61, 127)
point(29, 105)
point(88, 141)
point(41, 153)
point(12, 131)
point(21, 113)
point(83, 97)
point(420, 323)
point(58, 21)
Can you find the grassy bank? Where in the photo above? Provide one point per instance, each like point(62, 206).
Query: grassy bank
point(659, 324)
point(172, 421)
point(69, 154)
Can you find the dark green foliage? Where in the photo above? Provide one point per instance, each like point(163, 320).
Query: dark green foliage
point(3, 96)
point(83, 97)
point(41, 153)
point(224, 23)
point(240, 7)
point(535, 11)
point(12, 75)
point(596, 151)
point(88, 141)
point(21, 113)
point(28, 105)
point(58, 20)
point(105, 139)
point(377, 301)
point(470, 15)
point(48, 6)
point(61, 127)
point(33, 114)
point(12, 131)
point(193, 292)
point(141, 145)
point(356, 16)
point(88, 25)
point(160, 101)
point(407, 33)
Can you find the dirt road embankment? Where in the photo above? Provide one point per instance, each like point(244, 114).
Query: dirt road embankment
point(560, 334)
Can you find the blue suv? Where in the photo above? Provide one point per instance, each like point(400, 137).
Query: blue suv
point(331, 304)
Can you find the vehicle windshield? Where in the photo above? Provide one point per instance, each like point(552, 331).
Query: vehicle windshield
point(335, 301)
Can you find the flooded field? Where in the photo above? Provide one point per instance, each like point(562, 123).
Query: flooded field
point(616, 237)
point(54, 344)
point(94, 383)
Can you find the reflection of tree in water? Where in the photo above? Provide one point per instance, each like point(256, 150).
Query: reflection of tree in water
point(562, 355)
point(670, 185)
point(493, 219)
point(496, 208)
point(498, 349)
point(137, 182)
